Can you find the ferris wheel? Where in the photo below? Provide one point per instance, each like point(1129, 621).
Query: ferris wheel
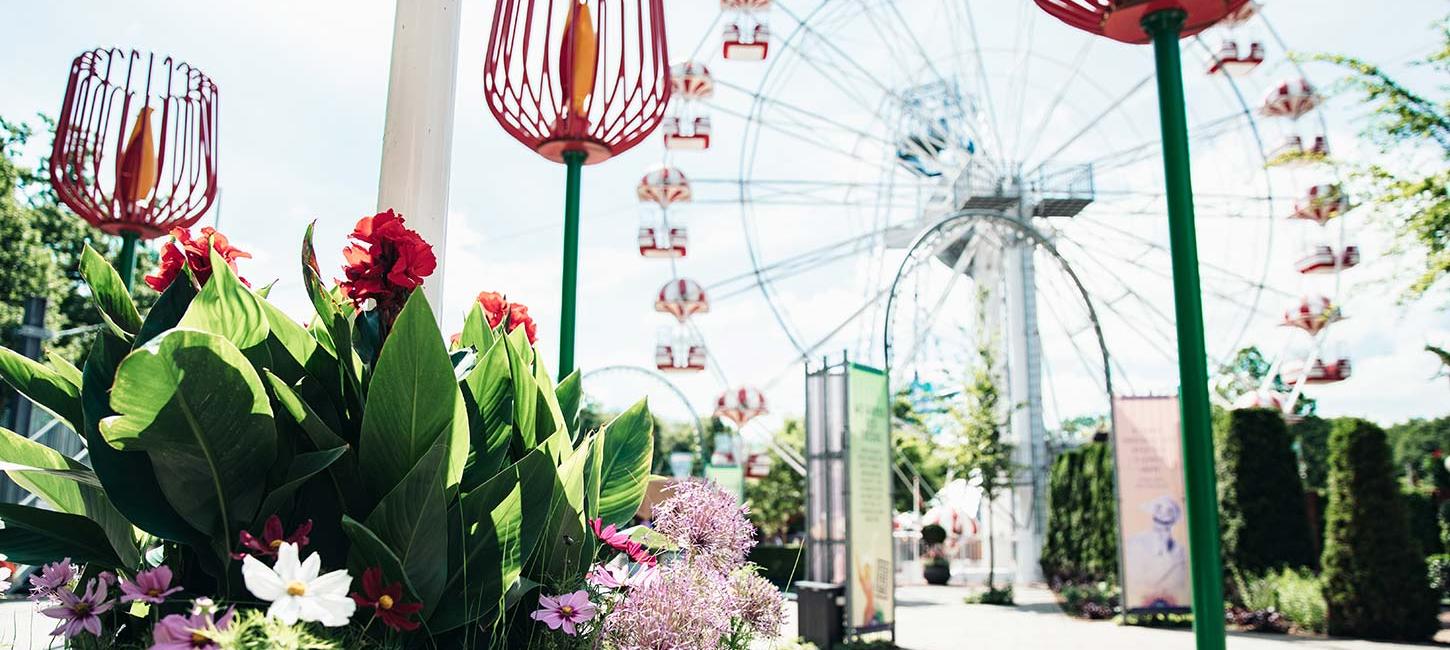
point(891, 163)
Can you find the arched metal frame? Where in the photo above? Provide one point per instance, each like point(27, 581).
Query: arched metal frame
point(964, 217)
point(659, 377)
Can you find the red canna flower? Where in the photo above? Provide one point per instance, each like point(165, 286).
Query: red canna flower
point(273, 537)
point(186, 251)
point(385, 263)
point(386, 601)
point(497, 308)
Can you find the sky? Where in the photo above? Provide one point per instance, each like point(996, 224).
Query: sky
point(807, 136)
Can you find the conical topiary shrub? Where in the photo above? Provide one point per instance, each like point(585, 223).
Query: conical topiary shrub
point(1374, 573)
point(1260, 496)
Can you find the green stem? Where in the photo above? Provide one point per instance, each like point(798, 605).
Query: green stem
point(1202, 491)
point(574, 163)
point(126, 264)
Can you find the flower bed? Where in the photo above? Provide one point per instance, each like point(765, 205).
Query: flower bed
point(353, 482)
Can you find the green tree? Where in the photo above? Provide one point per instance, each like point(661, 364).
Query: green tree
point(43, 241)
point(778, 501)
point(1311, 443)
point(1265, 526)
point(981, 415)
point(1374, 571)
point(1245, 373)
point(1409, 125)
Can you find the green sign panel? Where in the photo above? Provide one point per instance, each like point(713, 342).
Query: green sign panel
point(868, 468)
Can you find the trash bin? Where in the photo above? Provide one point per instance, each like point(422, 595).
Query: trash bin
point(820, 608)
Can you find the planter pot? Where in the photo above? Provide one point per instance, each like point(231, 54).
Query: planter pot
point(937, 574)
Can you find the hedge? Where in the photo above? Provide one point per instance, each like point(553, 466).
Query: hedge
point(782, 565)
point(1375, 581)
point(1264, 524)
point(1082, 534)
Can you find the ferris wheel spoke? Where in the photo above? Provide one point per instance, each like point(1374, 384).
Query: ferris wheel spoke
point(799, 135)
point(1025, 74)
point(787, 272)
point(1082, 357)
point(813, 115)
point(1204, 266)
point(966, 7)
point(844, 57)
point(810, 192)
point(1080, 61)
point(1091, 124)
point(1150, 149)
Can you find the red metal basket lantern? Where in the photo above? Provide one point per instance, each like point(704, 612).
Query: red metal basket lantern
point(578, 82)
point(135, 150)
point(590, 76)
point(1122, 20)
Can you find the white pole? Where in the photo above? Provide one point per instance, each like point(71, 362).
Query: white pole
point(1025, 391)
point(418, 131)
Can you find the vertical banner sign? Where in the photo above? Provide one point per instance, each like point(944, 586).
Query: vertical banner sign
point(868, 451)
point(1152, 528)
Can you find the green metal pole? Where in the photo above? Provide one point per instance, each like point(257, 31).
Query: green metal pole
point(1203, 540)
point(574, 163)
point(126, 265)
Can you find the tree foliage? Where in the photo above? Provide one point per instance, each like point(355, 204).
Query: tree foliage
point(43, 244)
point(778, 501)
point(1265, 526)
point(1082, 517)
point(1411, 197)
point(1374, 571)
point(984, 453)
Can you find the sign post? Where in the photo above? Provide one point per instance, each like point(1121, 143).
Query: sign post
point(848, 492)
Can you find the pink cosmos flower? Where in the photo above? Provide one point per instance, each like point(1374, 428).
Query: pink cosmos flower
point(151, 586)
point(619, 541)
point(181, 631)
point(52, 577)
point(564, 611)
point(607, 576)
point(80, 613)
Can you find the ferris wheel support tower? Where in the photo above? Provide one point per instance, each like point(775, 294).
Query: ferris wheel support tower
point(1024, 381)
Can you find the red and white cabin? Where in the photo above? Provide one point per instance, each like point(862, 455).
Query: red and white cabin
point(746, 44)
point(682, 298)
point(740, 405)
point(694, 138)
point(745, 5)
point(1292, 99)
point(1325, 259)
point(691, 81)
point(1293, 151)
point(1260, 400)
point(1228, 60)
point(1312, 314)
point(664, 185)
point(1319, 372)
point(1320, 204)
point(670, 357)
point(758, 465)
point(674, 243)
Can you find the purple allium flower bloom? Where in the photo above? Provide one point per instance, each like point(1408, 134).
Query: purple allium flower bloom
point(564, 611)
point(151, 586)
point(685, 607)
point(707, 523)
point(52, 577)
point(758, 601)
point(184, 632)
point(80, 613)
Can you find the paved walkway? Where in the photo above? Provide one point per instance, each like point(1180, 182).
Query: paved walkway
point(935, 618)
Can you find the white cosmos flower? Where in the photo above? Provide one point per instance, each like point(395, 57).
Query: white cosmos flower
point(297, 592)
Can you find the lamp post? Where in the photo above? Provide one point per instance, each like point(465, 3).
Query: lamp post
point(135, 151)
point(577, 94)
point(1163, 23)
